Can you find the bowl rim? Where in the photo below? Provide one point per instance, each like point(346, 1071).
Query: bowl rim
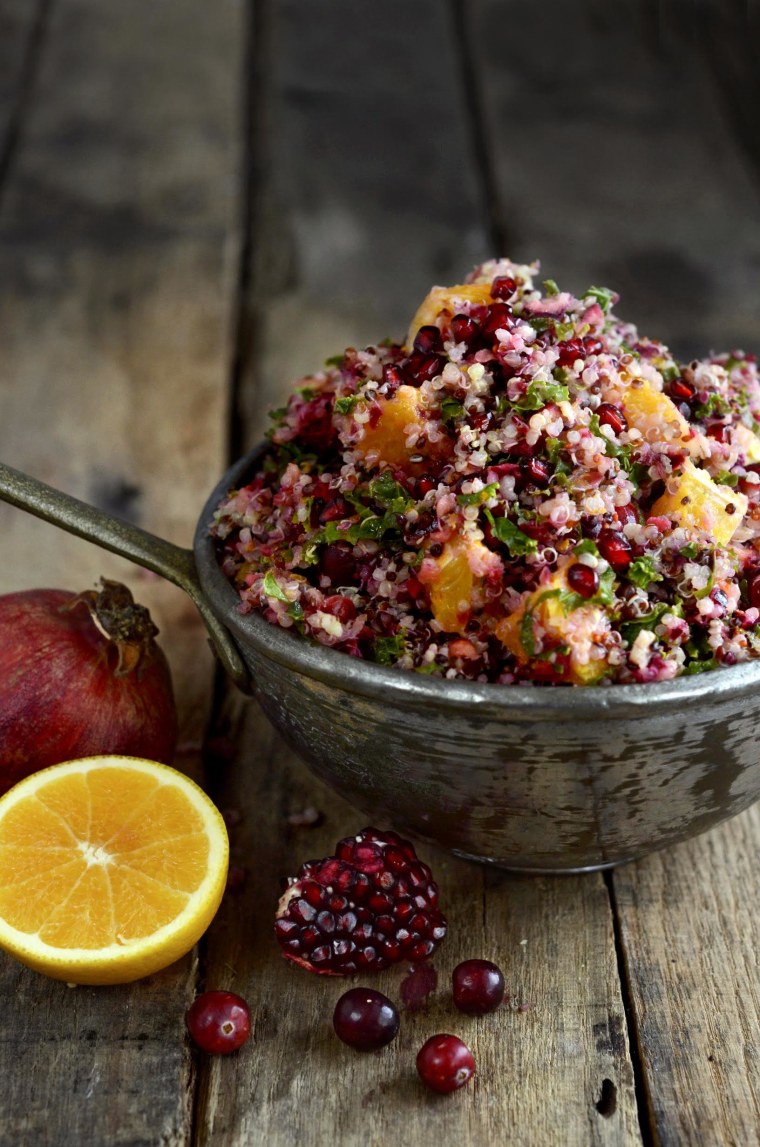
point(338, 670)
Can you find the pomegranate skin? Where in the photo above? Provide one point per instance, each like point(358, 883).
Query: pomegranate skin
point(65, 694)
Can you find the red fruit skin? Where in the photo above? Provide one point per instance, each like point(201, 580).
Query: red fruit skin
point(59, 696)
point(445, 1063)
point(219, 1022)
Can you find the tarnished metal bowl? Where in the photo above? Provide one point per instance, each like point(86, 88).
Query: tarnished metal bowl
point(547, 779)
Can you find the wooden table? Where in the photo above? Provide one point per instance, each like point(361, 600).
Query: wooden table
point(201, 201)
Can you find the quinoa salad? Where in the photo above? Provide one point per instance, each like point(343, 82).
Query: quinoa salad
point(525, 491)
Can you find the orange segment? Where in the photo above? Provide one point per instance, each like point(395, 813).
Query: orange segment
point(698, 502)
point(447, 301)
point(399, 416)
point(111, 868)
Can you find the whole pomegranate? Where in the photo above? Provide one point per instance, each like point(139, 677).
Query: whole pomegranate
point(80, 674)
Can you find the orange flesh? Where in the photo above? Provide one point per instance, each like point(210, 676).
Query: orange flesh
point(388, 436)
point(97, 859)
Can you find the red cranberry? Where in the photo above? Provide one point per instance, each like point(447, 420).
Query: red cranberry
point(427, 340)
point(616, 549)
point(478, 987)
point(464, 329)
point(444, 1063)
point(682, 391)
point(613, 417)
point(337, 563)
point(365, 1019)
point(503, 287)
point(583, 579)
point(341, 607)
point(219, 1022)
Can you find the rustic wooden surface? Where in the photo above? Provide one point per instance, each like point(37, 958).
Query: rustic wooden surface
point(199, 203)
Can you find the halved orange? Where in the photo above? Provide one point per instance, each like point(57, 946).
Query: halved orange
point(111, 868)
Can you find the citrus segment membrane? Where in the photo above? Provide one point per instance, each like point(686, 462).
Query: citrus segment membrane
point(110, 868)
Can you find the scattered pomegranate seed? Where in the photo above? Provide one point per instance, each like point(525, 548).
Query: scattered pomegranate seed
point(365, 1019)
point(498, 317)
point(536, 471)
point(583, 579)
point(613, 417)
point(341, 607)
point(478, 987)
point(218, 1022)
point(718, 430)
point(682, 391)
point(335, 510)
point(427, 340)
point(370, 905)
point(464, 329)
point(418, 368)
point(592, 345)
point(424, 486)
point(616, 549)
point(445, 1063)
point(417, 986)
point(337, 562)
point(570, 351)
point(754, 591)
point(503, 287)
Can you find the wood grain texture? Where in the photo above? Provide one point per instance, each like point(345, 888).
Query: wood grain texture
point(116, 297)
point(691, 933)
point(541, 1073)
point(616, 159)
point(21, 26)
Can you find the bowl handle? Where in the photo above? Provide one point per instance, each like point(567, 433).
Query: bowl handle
point(129, 541)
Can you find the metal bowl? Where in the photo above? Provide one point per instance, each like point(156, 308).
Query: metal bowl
point(536, 778)
point(540, 779)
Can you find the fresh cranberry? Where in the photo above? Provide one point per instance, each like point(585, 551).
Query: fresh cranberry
point(681, 390)
point(445, 1063)
point(337, 562)
point(365, 1019)
point(583, 579)
point(503, 287)
point(616, 549)
point(464, 329)
point(478, 987)
point(219, 1022)
point(427, 340)
point(613, 417)
point(419, 368)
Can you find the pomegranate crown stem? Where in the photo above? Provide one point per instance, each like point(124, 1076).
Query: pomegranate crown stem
point(121, 620)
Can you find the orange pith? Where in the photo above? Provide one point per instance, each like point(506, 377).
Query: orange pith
point(124, 861)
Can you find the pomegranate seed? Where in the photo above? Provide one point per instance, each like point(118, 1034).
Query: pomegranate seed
point(592, 345)
point(616, 549)
point(338, 563)
point(498, 317)
point(613, 417)
point(424, 486)
point(334, 511)
point(445, 1063)
point(478, 987)
point(754, 591)
point(365, 1019)
point(464, 329)
point(718, 431)
point(418, 368)
point(427, 340)
point(536, 470)
point(341, 607)
point(571, 350)
point(682, 391)
point(626, 514)
point(218, 1022)
point(583, 579)
point(392, 376)
point(503, 287)
point(390, 901)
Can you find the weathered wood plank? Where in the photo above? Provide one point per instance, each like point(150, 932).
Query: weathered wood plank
point(116, 299)
point(691, 933)
point(541, 1072)
point(370, 210)
point(616, 162)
